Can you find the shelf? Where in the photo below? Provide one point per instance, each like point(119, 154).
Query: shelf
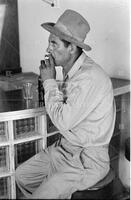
point(21, 114)
point(5, 174)
point(120, 86)
point(28, 139)
point(50, 126)
point(5, 188)
point(53, 138)
point(25, 150)
point(25, 127)
point(23, 134)
point(52, 133)
point(4, 159)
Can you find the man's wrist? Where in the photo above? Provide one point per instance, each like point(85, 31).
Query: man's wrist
point(49, 83)
point(47, 78)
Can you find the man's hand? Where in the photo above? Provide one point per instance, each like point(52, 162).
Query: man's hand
point(47, 69)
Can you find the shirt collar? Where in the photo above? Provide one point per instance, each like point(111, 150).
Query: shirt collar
point(76, 65)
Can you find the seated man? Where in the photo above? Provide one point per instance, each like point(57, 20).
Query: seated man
point(83, 111)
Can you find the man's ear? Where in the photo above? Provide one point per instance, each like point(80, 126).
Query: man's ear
point(72, 48)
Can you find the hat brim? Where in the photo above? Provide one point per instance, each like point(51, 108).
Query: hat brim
point(52, 29)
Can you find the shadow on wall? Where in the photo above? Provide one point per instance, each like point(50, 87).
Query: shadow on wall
point(9, 44)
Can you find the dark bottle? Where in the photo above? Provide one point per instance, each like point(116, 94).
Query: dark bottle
point(41, 91)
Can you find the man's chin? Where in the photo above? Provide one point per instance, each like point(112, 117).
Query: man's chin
point(56, 64)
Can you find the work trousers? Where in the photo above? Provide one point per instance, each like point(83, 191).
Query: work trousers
point(60, 170)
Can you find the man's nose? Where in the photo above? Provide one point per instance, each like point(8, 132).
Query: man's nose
point(48, 50)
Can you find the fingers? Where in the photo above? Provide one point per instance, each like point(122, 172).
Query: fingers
point(52, 61)
point(42, 62)
point(42, 65)
point(47, 62)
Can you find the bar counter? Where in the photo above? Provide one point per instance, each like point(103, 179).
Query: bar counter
point(24, 131)
point(13, 100)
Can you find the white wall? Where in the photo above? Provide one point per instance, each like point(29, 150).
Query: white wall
point(2, 15)
point(109, 35)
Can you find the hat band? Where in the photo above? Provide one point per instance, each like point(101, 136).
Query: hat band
point(61, 27)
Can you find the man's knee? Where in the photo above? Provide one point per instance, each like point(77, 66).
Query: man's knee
point(20, 176)
point(17, 174)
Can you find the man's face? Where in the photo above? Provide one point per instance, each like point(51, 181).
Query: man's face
point(59, 52)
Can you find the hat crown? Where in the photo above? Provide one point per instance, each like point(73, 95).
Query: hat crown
point(70, 26)
point(73, 24)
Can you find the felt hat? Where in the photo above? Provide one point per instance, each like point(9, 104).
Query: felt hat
point(70, 26)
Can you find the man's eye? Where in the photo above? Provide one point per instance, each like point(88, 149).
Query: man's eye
point(53, 42)
point(54, 45)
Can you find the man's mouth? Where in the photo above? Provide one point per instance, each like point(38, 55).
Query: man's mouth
point(47, 57)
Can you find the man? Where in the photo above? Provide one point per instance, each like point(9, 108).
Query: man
point(83, 112)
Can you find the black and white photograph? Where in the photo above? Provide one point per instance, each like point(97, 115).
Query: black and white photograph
point(65, 99)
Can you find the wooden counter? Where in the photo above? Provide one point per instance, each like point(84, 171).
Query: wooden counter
point(120, 86)
point(12, 100)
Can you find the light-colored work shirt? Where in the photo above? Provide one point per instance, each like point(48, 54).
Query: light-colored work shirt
point(82, 109)
point(85, 115)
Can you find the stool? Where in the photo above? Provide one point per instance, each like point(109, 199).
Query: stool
point(127, 148)
point(101, 190)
